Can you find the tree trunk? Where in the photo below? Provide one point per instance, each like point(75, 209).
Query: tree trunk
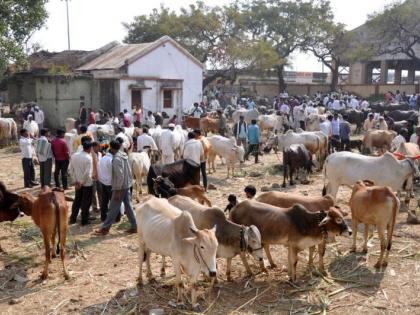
point(282, 84)
point(334, 77)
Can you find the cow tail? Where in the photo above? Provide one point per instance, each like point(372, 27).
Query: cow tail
point(324, 189)
point(395, 209)
point(57, 223)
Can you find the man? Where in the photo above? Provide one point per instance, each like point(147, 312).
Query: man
point(78, 139)
point(193, 149)
point(395, 144)
point(126, 140)
point(128, 116)
point(26, 149)
point(250, 104)
point(335, 127)
point(121, 184)
point(167, 141)
point(214, 104)
point(196, 111)
point(336, 105)
point(345, 129)
point(301, 115)
point(83, 115)
point(81, 168)
point(96, 187)
point(105, 180)
point(222, 122)
point(138, 115)
point(240, 131)
point(398, 96)
point(284, 108)
point(354, 103)
point(39, 117)
point(150, 119)
point(31, 126)
point(326, 127)
point(44, 153)
point(145, 140)
point(253, 140)
point(364, 105)
point(206, 147)
point(382, 125)
point(369, 123)
point(413, 101)
point(92, 116)
point(61, 155)
point(415, 136)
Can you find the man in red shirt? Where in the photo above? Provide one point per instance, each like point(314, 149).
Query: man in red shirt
point(61, 155)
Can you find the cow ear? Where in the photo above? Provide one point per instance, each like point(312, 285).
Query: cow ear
point(343, 212)
point(214, 229)
point(325, 221)
point(190, 240)
point(193, 230)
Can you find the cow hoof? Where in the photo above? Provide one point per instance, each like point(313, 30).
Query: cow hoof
point(54, 255)
point(283, 186)
point(66, 276)
point(44, 276)
point(264, 270)
point(273, 266)
point(162, 274)
point(152, 280)
point(384, 264)
point(292, 183)
point(364, 251)
point(378, 265)
point(229, 279)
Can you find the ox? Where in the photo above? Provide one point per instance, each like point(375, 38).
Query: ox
point(208, 124)
point(296, 157)
point(380, 139)
point(374, 205)
point(195, 192)
point(227, 149)
point(192, 122)
point(140, 164)
point(407, 115)
point(272, 122)
point(249, 115)
point(294, 227)
point(166, 230)
point(180, 173)
point(50, 213)
point(8, 131)
point(346, 168)
point(233, 239)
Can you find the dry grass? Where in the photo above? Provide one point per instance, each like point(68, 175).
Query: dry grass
point(103, 270)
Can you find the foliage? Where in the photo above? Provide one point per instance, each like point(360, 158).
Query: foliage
point(396, 30)
point(59, 70)
point(18, 20)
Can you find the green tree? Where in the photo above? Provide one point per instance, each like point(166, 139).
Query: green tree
point(18, 20)
point(396, 30)
point(285, 26)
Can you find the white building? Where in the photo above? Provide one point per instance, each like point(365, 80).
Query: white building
point(159, 76)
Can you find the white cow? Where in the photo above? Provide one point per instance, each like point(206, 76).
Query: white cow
point(140, 164)
point(32, 127)
point(248, 115)
point(168, 231)
point(106, 130)
point(312, 122)
point(272, 122)
point(8, 131)
point(69, 138)
point(226, 148)
point(70, 124)
point(180, 139)
point(346, 168)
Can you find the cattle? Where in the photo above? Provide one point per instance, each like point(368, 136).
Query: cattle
point(208, 124)
point(295, 158)
point(312, 122)
point(180, 138)
point(140, 164)
point(70, 124)
point(378, 206)
point(294, 227)
point(180, 173)
point(50, 213)
point(168, 231)
point(384, 107)
point(233, 239)
point(407, 115)
point(192, 122)
point(346, 168)
point(249, 115)
point(106, 130)
point(356, 117)
point(8, 131)
point(272, 122)
point(398, 125)
point(32, 128)
point(9, 209)
point(195, 192)
point(380, 139)
point(226, 148)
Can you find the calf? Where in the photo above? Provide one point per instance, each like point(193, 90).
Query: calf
point(195, 192)
point(49, 212)
point(374, 205)
point(233, 239)
point(294, 227)
point(166, 230)
point(295, 158)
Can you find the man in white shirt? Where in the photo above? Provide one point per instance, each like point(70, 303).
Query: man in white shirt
point(44, 153)
point(354, 103)
point(364, 104)
point(145, 140)
point(39, 117)
point(336, 105)
point(335, 126)
point(396, 142)
point(81, 168)
point(310, 109)
point(193, 149)
point(326, 100)
point(214, 104)
point(301, 115)
point(105, 179)
point(26, 149)
point(150, 119)
point(196, 111)
point(326, 127)
point(126, 141)
point(167, 141)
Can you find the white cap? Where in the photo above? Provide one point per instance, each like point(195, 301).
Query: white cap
point(171, 125)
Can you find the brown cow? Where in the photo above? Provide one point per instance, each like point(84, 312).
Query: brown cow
point(192, 122)
point(374, 205)
point(294, 227)
point(380, 139)
point(49, 212)
point(195, 192)
point(208, 124)
point(9, 210)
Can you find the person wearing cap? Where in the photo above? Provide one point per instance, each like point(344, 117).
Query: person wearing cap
point(399, 139)
point(382, 125)
point(222, 122)
point(81, 169)
point(121, 183)
point(369, 123)
point(206, 147)
point(240, 131)
point(61, 155)
point(39, 117)
point(167, 142)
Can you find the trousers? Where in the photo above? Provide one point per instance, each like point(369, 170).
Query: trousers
point(28, 171)
point(45, 169)
point(204, 173)
point(115, 208)
point(105, 199)
point(61, 169)
point(82, 200)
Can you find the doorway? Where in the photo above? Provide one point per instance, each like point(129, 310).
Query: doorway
point(135, 99)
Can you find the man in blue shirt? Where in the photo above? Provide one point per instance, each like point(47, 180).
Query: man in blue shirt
point(345, 130)
point(253, 140)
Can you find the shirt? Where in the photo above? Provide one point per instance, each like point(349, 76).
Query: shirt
point(395, 144)
point(167, 141)
point(81, 166)
point(336, 105)
point(145, 140)
point(383, 126)
point(26, 149)
point(335, 125)
point(326, 128)
point(196, 112)
point(60, 149)
point(369, 124)
point(345, 130)
point(43, 149)
point(253, 134)
point(193, 149)
point(354, 103)
point(105, 170)
point(364, 105)
point(39, 116)
point(414, 138)
point(285, 109)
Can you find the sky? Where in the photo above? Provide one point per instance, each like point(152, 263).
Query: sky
point(94, 23)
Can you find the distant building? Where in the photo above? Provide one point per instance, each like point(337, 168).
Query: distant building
point(158, 76)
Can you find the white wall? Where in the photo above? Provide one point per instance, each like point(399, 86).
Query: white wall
point(166, 62)
point(149, 96)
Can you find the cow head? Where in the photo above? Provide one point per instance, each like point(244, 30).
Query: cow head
point(239, 153)
point(163, 186)
point(334, 223)
point(252, 240)
point(25, 202)
point(9, 209)
point(204, 249)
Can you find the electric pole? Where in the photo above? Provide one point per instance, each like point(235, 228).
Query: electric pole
point(68, 24)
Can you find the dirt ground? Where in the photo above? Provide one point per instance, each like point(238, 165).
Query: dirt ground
point(103, 270)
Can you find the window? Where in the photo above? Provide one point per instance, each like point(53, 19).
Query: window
point(135, 99)
point(167, 99)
